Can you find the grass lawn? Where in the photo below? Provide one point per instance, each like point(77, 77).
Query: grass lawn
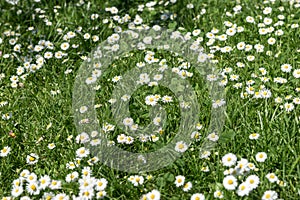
point(170, 99)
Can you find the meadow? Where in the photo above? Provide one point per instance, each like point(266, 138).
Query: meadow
point(202, 102)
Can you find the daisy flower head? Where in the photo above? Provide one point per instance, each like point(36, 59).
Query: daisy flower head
point(100, 194)
point(44, 182)
point(179, 180)
point(218, 194)
point(281, 183)
point(153, 195)
point(5, 151)
point(272, 177)
point(229, 159)
point(253, 181)
point(82, 138)
point(24, 174)
point(198, 196)
point(296, 73)
point(289, 107)
point(86, 194)
point(286, 68)
point(218, 103)
point(32, 159)
point(196, 135)
point(261, 157)
point(151, 100)
point(230, 182)
point(33, 188)
point(51, 146)
point(55, 185)
point(254, 136)
point(213, 137)
point(72, 177)
point(188, 186)
point(101, 184)
point(86, 172)
point(129, 140)
point(167, 99)
point(62, 196)
point(269, 195)
point(205, 154)
point(16, 191)
point(18, 182)
point(181, 147)
point(71, 165)
point(157, 121)
point(82, 152)
point(128, 121)
point(121, 138)
point(243, 189)
point(242, 166)
point(138, 180)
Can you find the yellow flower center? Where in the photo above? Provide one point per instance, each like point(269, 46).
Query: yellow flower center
point(33, 187)
point(31, 158)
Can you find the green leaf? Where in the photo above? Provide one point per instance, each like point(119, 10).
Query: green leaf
point(172, 25)
point(227, 136)
point(169, 177)
point(161, 182)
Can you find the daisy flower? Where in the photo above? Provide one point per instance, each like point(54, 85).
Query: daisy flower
point(229, 159)
point(198, 196)
point(253, 181)
point(196, 135)
point(269, 195)
point(179, 180)
point(86, 194)
point(151, 100)
point(24, 174)
point(296, 73)
point(51, 146)
point(32, 158)
point(254, 136)
point(157, 121)
point(101, 184)
point(121, 138)
point(286, 68)
point(128, 121)
point(54, 185)
point(16, 191)
point(230, 182)
point(5, 151)
point(243, 189)
point(218, 103)
point(188, 186)
point(213, 137)
point(218, 194)
point(72, 177)
point(289, 107)
point(153, 195)
point(33, 188)
point(82, 152)
point(138, 180)
point(44, 182)
point(261, 157)
point(100, 194)
point(272, 177)
point(86, 172)
point(181, 147)
point(167, 99)
point(62, 196)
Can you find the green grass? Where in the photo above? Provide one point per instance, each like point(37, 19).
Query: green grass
point(33, 107)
